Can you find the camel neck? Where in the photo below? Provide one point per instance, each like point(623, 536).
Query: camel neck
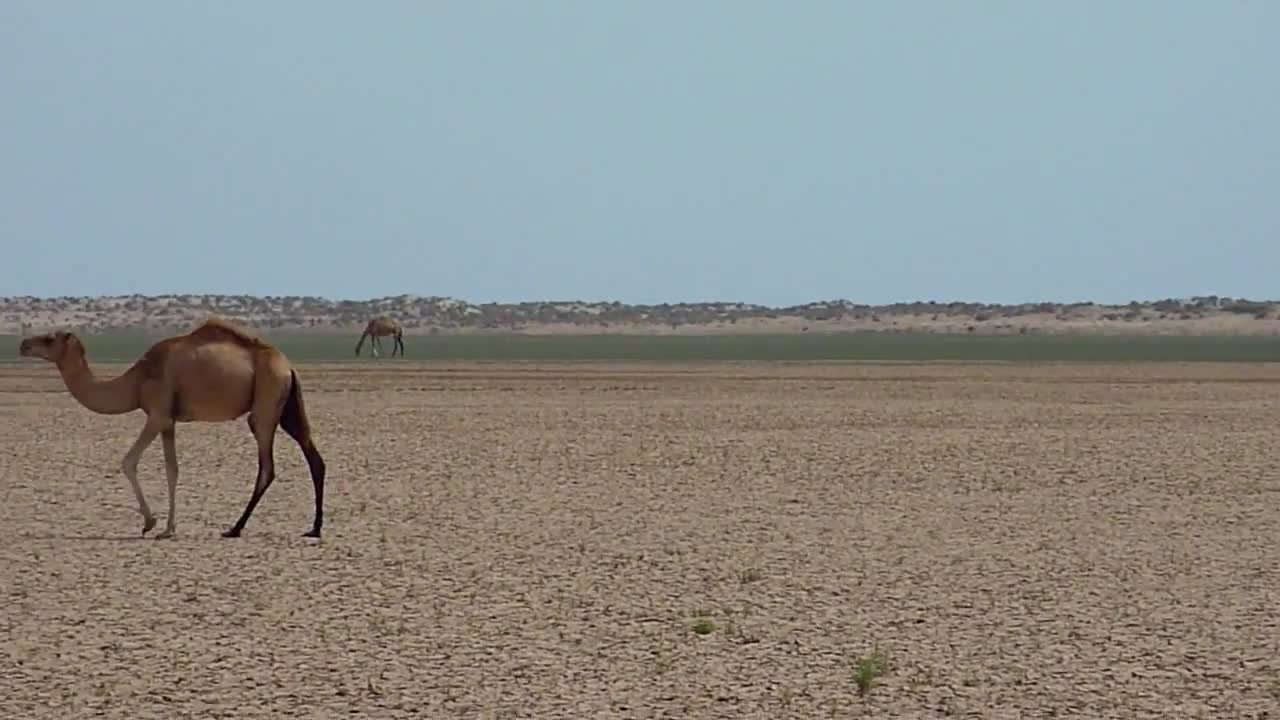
point(108, 397)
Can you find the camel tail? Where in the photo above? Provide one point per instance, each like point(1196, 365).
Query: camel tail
point(360, 344)
point(295, 422)
point(294, 416)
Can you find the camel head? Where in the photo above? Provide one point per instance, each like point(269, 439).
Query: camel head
point(50, 346)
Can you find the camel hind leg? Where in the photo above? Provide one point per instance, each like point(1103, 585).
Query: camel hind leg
point(269, 396)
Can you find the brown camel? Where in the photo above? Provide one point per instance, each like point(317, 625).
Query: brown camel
point(215, 373)
point(380, 327)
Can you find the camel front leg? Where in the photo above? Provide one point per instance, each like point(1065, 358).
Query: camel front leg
point(130, 468)
point(168, 442)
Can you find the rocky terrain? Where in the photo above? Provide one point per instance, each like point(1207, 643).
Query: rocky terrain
point(1198, 315)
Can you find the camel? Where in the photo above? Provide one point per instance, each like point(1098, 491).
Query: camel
point(380, 327)
point(215, 373)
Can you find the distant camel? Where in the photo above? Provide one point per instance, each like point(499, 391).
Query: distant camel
point(380, 327)
point(215, 373)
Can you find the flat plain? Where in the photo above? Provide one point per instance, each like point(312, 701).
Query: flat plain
point(792, 347)
point(619, 539)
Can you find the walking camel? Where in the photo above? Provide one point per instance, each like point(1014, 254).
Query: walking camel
point(380, 327)
point(215, 373)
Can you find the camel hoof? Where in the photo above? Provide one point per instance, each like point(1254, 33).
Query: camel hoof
point(232, 533)
point(166, 535)
point(148, 524)
point(314, 532)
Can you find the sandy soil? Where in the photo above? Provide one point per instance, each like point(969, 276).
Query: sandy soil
point(538, 541)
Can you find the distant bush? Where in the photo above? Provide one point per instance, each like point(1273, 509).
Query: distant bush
point(1247, 307)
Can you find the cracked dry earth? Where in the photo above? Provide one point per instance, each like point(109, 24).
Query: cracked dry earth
point(540, 540)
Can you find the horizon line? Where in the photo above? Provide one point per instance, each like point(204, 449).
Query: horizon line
point(417, 296)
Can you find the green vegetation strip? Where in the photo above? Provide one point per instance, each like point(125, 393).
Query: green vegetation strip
point(689, 348)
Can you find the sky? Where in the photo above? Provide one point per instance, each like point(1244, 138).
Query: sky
point(645, 152)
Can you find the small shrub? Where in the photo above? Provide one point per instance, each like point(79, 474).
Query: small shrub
point(703, 626)
point(867, 670)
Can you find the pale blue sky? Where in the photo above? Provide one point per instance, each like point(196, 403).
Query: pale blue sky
point(774, 152)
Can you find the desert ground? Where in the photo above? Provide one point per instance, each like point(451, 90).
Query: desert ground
point(628, 540)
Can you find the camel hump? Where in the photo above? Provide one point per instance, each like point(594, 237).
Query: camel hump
point(220, 329)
